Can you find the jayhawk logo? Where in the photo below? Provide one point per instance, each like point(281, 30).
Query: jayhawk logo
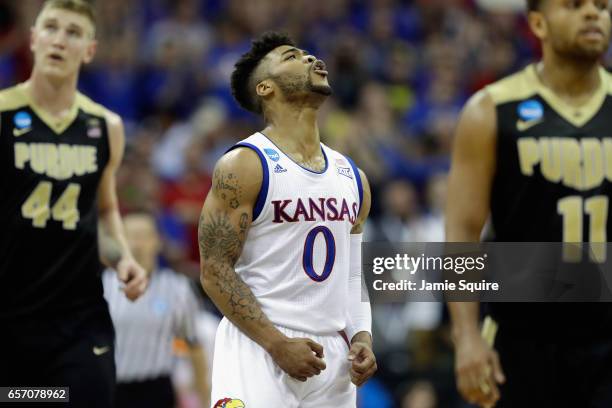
point(229, 403)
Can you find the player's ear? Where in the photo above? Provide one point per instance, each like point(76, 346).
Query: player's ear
point(537, 23)
point(90, 52)
point(264, 88)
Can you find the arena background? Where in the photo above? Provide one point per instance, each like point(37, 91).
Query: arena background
point(400, 70)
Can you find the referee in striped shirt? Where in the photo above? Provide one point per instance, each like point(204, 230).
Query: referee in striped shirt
point(145, 329)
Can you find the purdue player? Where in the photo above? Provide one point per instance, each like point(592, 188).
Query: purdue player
point(280, 235)
point(534, 151)
point(58, 156)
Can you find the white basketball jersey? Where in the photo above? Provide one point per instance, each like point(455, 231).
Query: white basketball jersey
point(296, 255)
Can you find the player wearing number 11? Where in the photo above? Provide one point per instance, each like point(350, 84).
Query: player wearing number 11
point(58, 155)
point(534, 153)
point(280, 235)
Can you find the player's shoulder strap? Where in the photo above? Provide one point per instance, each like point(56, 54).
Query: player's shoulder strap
point(90, 107)
point(12, 98)
point(256, 144)
point(607, 77)
point(338, 159)
point(518, 86)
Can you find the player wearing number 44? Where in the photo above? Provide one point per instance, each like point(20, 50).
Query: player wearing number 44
point(58, 155)
point(280, 242)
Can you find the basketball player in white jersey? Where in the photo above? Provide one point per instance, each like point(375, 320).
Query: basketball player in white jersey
point(280, 242)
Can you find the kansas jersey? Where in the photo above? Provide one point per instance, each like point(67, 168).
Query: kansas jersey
point(50, 170)
point(552, 183)
point(296, 255)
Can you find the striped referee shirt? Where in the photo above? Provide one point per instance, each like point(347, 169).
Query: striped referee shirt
point(146, 328)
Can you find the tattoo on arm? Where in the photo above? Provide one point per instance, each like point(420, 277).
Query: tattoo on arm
point(227, 187)
point(220, 247)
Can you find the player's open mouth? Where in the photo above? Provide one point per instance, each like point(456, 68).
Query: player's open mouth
point(319, 68)
point(56, 57)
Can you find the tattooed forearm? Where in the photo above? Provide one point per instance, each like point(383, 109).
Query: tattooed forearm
point(220, 246)
point(241, 302)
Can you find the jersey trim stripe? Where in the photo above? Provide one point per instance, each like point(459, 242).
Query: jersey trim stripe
point(265, 182)
point(357, 179)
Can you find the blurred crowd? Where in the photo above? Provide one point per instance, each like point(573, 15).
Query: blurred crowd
point(400, 70)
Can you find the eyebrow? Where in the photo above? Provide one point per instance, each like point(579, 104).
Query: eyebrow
point(56, 21)
point(75, 26)
point(291, 50)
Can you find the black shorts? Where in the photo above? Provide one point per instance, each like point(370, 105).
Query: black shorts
point(75, 351)
point(152, 393)
point(554, 374)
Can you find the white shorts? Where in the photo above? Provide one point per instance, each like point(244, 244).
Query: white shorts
point(245, 375)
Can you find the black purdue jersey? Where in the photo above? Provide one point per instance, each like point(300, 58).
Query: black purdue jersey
point(552, 184)
point(554, 163)
point(50, 171)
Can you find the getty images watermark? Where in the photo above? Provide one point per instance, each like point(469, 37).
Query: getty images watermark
point(422, 263)
point(488, 271)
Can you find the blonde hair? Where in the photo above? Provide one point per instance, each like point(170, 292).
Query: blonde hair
point(81, 7)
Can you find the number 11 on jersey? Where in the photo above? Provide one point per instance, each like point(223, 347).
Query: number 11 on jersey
point(572, 209)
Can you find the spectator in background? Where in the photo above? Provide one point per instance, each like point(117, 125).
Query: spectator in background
point(9, 41)
point(112, 77)
point(399, 213)
point(145, 329)
point(430, 226)
point(185, 28)
point(138, 187)
point(408, 327)
point(168, 157)
point(183, 201)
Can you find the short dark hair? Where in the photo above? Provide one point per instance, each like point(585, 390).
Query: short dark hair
point(533, 5)
point(242, 84)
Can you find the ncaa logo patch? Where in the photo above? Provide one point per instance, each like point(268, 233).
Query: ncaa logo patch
point(229, 403)
point(22, 120)
point(530, 110)
point(272, 154)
